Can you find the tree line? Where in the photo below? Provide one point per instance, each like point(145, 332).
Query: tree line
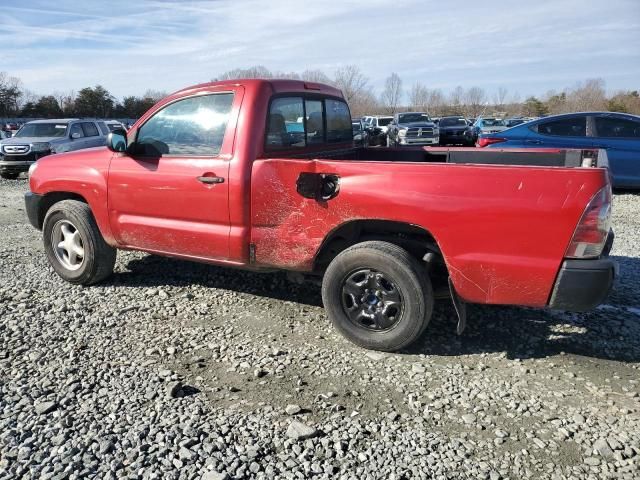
point(16, 101)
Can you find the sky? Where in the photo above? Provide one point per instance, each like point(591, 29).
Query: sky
point(130, 46)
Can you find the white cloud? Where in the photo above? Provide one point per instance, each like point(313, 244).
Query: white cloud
point(130, 46)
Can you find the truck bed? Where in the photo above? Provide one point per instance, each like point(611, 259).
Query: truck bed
point(491, 222)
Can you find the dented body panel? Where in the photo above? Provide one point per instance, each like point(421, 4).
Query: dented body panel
point(502, 230)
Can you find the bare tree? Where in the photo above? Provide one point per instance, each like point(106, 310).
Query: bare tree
point(364, 104)
point(351, 81)
point(455, 98)
point(65, 100)
point(588, 96)
point(392, 93)
point(10, 94)
point(474, 100)
point(418, 96)
point(257, 71)
point(316, 76)
point(500, 97)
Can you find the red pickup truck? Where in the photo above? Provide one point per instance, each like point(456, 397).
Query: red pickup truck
point(263, 174)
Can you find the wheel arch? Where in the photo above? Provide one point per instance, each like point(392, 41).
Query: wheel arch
point(49, 199)
point(414, 238)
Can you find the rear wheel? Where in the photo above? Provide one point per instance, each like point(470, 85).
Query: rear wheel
point(9, 176)
point(378, 296)
point(74, 245)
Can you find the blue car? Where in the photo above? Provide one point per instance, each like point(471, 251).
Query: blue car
point(618, 133)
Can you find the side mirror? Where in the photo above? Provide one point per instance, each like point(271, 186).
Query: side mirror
point(117, 140)
point(75, 135)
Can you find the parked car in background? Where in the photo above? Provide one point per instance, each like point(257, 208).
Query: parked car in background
point(377, 127)
point(114, 125)
point(512, 122)
point(484, 126)
point(40, 138)
point(360, 134)
point(618, 133)
point(452, 130)
point(412, 128)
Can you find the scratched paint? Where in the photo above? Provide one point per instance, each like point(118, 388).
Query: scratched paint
point(502, 242)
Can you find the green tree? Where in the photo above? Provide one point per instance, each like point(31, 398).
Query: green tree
point(134, 107)
point(534, 107)
point(10, 93)
point(94, 102)
point(29, 110)
point(47, 106)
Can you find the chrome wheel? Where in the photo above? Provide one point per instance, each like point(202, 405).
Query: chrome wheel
point(371, 300)
point(67, 245)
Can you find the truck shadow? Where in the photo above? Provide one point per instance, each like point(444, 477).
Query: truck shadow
point(612, 331)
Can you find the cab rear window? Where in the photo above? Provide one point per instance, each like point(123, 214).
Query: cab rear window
point(298, 122)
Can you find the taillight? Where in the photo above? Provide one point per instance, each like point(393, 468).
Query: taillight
point(485, 141)
point(591, 233)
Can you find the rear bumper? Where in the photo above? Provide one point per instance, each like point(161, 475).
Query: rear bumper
point(32, 207)
point(583, 284)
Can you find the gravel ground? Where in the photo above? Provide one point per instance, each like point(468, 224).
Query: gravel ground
point(179, 370)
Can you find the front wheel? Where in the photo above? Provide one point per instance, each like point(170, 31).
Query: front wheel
point(74, 245)
point(378, 296)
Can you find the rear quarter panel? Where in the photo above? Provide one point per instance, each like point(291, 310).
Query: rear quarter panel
point(502, 230)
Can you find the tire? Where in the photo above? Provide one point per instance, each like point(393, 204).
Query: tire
point(385, 264)
point(9, 176)
point(71, 219)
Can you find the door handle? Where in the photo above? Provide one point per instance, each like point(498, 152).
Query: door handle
point(533, 142)
point(211, 180)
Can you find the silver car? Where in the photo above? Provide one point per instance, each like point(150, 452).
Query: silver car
point(43, 137)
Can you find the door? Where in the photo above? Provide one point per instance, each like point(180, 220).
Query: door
point(170, 194)
point(563, 132)
point(621, 138)
point(92, 136)
point(76, 137)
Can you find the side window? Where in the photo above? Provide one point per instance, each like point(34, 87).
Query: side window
point(566, 127)
point(90, 129)
point(338, 121)
point(76, 129)
point(611, 127)
point(285, 126)
point(103, 128)
point(315, 122)
point(193, 126)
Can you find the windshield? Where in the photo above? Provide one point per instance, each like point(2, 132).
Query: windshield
point(356, 126)
point(413, 118)
point(383, 122)
point(453, 122)
point(43, 130)
point(493, 122)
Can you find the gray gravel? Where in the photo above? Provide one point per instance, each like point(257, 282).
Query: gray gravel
point(178, 370)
